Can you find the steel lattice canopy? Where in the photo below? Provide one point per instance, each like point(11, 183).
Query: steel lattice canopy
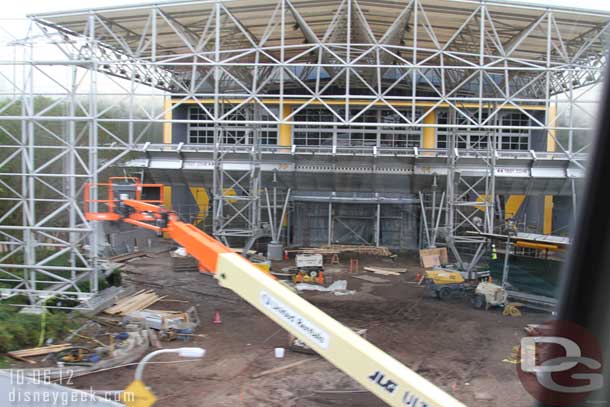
point(178, 23)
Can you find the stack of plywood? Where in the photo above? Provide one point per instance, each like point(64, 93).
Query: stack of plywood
point(136, 302)
point(433, 257)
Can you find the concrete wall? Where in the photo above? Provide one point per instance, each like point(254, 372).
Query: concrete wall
point(398, 225)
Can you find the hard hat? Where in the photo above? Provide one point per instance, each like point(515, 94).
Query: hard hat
point(493, 245)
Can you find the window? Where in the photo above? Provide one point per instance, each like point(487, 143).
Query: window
point(232, 133)
point(512, 138)
point(359, 135)
point(313, 134)
point(199, 133)
point(508, 138)
point(355, 135)
point(399, 136)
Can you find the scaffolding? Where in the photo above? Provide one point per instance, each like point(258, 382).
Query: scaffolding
point(88, 90)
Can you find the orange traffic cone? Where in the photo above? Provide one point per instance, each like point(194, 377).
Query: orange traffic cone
point(285, 254)
point(417, 276)
point(217, 319)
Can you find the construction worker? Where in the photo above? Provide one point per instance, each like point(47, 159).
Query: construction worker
point(494, 253)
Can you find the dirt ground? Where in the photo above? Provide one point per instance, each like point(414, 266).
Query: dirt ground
point(455, 346)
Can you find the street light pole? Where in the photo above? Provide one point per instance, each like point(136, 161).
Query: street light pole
point(182, 352)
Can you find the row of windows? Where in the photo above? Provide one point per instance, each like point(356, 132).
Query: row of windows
point(508, 138)
point(203, 133)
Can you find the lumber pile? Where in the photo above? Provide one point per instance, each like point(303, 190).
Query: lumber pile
point(136, 302)
point(386, 271)
point(26, 353)
point(338, 249)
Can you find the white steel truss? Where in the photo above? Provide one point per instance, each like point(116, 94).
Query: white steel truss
point(474, 60)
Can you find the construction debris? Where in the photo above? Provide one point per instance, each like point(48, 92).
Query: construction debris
point(339, 287)
point(26, 353)
point(429, 258)
point(386, 271)
point(163, 320)
point(512, 309)
point(139, 301)
point(330, 250)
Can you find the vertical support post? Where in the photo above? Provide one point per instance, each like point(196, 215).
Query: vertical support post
point(378, 226)
point(551, 144)
point(505, 267)
point(574, 198)
point(93, 156)
point(424, 219)
point(330, 222)
point(27, 170)
point(70, 187)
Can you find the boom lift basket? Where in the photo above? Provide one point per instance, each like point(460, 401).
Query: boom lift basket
point(114, 190)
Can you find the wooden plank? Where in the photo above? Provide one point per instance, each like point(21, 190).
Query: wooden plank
point(39, 351)
point(133, 303)
point(387, 269)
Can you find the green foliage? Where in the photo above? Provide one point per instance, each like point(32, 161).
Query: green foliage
point(4, 362)
point(18, 331)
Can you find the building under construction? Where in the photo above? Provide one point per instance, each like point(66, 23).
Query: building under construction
point(404, 124)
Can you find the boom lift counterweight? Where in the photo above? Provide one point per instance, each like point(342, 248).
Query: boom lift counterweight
point(374, 369)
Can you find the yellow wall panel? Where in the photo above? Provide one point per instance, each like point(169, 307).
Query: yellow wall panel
point(429, 133)
point(513, 203)
point(285, 138)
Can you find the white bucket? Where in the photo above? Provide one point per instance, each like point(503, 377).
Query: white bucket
point(279, 352)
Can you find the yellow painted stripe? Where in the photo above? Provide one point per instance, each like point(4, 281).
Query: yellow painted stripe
point(167, 202)
point(513, 203)
point(167, 196)
point(548, 215)
point(551, 145)
point(167, 125)
point(357, 102)
point(203, 202)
